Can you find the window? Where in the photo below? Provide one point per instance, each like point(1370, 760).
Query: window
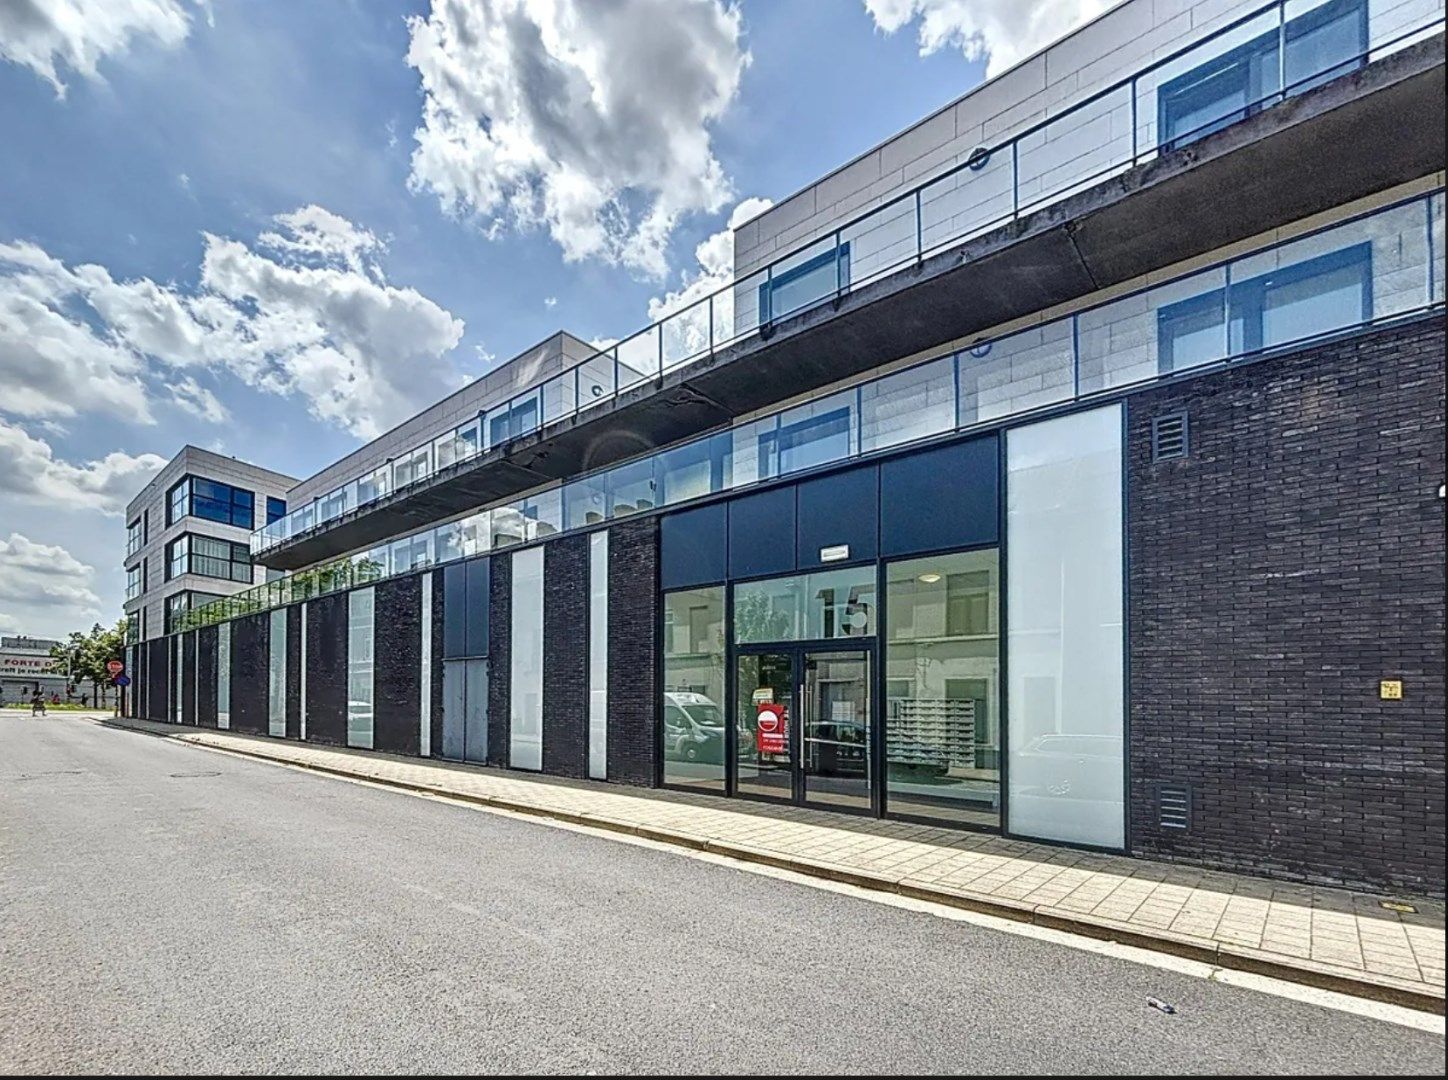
point(826, 604)
point(276, 509)
point(277, 674)
point(135, 537)
point(133, 628)
point(693, 695)
point(805, 284)
point(208, 557)
point(1289, 304)
point(223, 676)
point(360, 685)
point(942, 688)
point(136, 580)
point(199, 497)
point(1322, 44)
point(178, 604)
point(525, 736)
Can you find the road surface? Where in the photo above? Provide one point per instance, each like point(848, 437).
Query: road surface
point(164, 908)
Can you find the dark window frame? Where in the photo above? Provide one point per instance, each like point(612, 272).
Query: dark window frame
point(276, 509)
point(837, 256)
point(240, 570)
point(183, 500)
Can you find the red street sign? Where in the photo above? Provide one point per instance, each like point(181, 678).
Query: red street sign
point(115, 667)
point(772, 732)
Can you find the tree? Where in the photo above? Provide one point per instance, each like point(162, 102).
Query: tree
point(85, 656)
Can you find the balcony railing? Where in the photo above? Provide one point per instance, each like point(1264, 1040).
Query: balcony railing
point(1289, 46)
point(1382, 267)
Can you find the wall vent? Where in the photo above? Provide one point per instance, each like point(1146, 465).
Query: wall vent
point(1174, 806)
point(1169, 437)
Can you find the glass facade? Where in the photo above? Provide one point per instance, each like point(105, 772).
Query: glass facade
point(360, 682)
point(1065, 642)
point(223, 676)
point(525, 646)
point(277, 675)
point(693, 705)
point(823, 605)
point(207, 556)
point(598, 655)
point(942, 687)
point(211, 500)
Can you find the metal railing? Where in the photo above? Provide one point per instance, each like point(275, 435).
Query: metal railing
point(1107, 133)
point(1382, 266)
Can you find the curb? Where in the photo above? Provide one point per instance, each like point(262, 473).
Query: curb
point(1222, 956)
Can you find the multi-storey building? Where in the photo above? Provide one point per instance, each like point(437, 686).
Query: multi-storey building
point(188, 537)
point(1069, 465)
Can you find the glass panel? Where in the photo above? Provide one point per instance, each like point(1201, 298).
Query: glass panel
point(765, 696)
point(1324, 40)
point(277, 675)
point(804, 278)
point(686, 334)
point(821, 606)
point(525, 696)
point(744, 300)
point(1064, 596)
point(813, 434)
point(1436, 269)
point(223, 676)
point(632, 488)
point(835, 755)
point(638, 358)
point(595, 380)
point(360, 668)
point(942, 688)
point(694, 469)
point(1162, 329)
point(1078, 149)
point(693, 706)
point(1013, 374)
point(559, 397)
point(598, 655)
point(909, 405)
point(881, 242)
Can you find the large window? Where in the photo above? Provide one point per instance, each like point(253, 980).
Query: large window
point(207, 556)
point(360, 683)
point(276, 509)
point(135, 538)
point(1322, 44)
point(804, 284)
point(693, 706)
point(826, 604)
point(213, 501)
point(276, 682)
point(178, 604)
point(133, 628)
point(510, 423)
point(942, 687)
point(136, 580)
point(1287, 304)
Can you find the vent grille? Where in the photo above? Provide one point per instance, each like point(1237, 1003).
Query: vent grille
point(1174, 806)
point(1170, 437)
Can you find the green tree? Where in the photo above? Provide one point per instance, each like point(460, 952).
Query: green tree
point(84, 657)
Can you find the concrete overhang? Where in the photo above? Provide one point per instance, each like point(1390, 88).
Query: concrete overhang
point(1360, 134)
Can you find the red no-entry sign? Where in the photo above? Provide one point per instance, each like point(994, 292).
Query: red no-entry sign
point(115, 667)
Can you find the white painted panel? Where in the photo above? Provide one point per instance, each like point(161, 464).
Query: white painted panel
point(223, 676)
point(277, 675)
point(598, 655)
point(525, 692)
point(424, 720)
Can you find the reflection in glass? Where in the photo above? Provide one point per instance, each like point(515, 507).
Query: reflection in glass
point(823, 605)
point(942, 687)
point(359, 668)
point(836, 733)
point(693, 705)
point(764, 716)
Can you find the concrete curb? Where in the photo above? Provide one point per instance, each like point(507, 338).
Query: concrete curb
point(1224, 956)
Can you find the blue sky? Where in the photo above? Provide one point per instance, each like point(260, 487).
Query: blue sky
point(220, 120)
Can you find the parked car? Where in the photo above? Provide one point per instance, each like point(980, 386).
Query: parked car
point(693, 728)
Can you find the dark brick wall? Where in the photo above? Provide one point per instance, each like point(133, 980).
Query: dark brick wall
point(500, 673)
point(206, 641)
point(397, 671)
point(158, 694)
point(633, 627)
point(1292, 561)
point(327, 669)
point(433, 581)
point(188, 678)
point(294, 672)
point(565, 657)
point(250, 652)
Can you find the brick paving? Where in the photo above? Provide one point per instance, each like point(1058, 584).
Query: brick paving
point(1332, 937)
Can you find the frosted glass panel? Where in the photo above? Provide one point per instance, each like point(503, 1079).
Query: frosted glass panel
point(276, 683)
point(525, 743)
point(1065, 640)
point(598, 656)
point(360, 683)
point(223, 676)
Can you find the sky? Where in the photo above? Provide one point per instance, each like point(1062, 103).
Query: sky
point(275, 230)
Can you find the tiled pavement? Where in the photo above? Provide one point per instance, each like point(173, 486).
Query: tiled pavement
point(1328, 937)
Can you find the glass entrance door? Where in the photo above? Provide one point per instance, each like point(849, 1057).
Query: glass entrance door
point(802, 727)
point(835, 730)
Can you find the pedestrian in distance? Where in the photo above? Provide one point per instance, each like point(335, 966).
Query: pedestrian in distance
point(37, 704)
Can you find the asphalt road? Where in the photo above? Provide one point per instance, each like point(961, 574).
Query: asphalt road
point(167, 909)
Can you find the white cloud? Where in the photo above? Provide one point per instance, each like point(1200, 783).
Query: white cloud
point(45, 583)
point(589, 119)
point(189, 395)
point(1000, 31)
point(30, 471)
point(306, 310)
point(550, 301)
point(48, 35)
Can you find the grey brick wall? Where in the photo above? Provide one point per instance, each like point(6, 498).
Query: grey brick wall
point(633, 627)
point(565, 657)
point(1292, 561)
point(500, 671)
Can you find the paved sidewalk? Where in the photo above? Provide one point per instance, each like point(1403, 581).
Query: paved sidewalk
point(1326, 937)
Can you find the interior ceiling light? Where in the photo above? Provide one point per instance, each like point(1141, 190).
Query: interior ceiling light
point(930, 578)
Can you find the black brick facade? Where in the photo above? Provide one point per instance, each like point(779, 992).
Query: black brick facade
point(158, 667)
point(500, 671)
point(206, 642)
point(633, 654)
point(327, 669)
point(250, 654)
point(397, 667)
point(188, 678)
point(565, 657)
point(1290, 562)
point(293, 690)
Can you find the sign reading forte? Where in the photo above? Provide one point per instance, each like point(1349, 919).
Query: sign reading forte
point(772, 728)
